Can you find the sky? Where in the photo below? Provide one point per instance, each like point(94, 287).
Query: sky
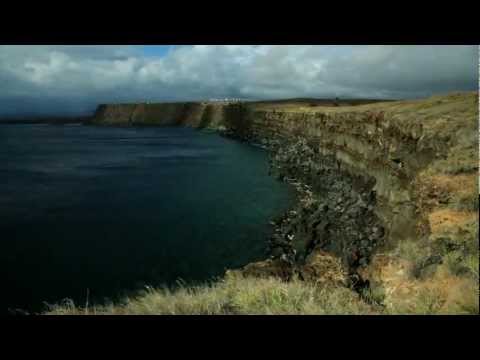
point(73, 80)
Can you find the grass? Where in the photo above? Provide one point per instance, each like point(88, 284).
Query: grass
point(238, 295)
point(234, 295)
point(414, 252)
point(427, 302)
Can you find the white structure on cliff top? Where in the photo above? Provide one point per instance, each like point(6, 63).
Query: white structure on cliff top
point(226, 100)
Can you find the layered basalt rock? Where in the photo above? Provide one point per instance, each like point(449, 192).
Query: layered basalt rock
point(335, 212)
point(355, 148)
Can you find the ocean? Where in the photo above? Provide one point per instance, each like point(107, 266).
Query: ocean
point(106, 211)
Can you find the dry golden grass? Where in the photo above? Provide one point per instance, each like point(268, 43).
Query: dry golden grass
point(237, 295)
point(442, 293)
point(435, 107)
point(445, 219)
point(234, 295)
point(464, 184)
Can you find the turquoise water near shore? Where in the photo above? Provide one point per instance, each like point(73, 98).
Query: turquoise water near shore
point(114, 209)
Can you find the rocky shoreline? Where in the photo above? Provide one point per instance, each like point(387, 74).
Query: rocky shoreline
point(332, 224)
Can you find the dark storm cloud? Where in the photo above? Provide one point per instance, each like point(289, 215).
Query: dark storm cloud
point(73, 79)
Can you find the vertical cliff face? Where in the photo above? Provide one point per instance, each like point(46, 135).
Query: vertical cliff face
point(366, 146)
point(192, 114)
point(145, 114)
point(388, 145)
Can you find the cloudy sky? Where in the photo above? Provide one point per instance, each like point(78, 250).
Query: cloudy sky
point(74, 79)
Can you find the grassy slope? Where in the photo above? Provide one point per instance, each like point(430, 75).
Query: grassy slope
point(238, 295)
point(233, 295)
point(441, 267)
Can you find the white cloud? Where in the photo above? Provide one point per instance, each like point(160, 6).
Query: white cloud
point(83, 76)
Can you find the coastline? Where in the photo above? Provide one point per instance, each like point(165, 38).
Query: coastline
point(373, 185)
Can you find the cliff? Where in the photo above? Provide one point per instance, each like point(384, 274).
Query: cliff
point(388, 144)
point(390, 188)
point(163, 114)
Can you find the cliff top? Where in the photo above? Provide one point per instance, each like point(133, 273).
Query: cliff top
point(433, 111)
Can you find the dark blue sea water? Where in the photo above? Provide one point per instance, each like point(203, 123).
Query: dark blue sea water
point(113, 209)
